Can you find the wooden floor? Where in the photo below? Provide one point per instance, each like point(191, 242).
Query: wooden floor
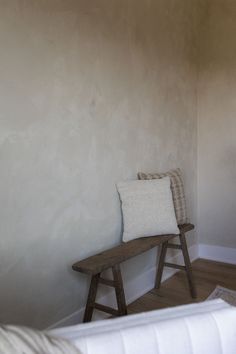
point(174, 291)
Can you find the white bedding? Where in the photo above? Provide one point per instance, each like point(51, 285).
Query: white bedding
point(209, 327)
point(24, 340)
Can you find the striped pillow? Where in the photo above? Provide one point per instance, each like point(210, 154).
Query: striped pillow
point(177, 187)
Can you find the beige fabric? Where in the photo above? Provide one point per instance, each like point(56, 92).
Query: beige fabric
point(22, 340)
point(147, 208)
point(177, 187)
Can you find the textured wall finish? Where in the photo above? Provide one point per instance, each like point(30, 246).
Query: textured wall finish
point(217, 126)
point(90, 93)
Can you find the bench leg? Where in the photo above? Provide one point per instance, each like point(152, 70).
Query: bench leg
point(119, 289)
point(91, 298)
point(161, 264)
point(117, 283)
point(188, 266)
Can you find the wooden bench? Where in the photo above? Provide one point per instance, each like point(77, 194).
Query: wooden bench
point(112, 258)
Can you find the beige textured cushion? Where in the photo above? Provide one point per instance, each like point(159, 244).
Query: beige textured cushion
point(147, 208)
point(177, 187)
point(22, 340)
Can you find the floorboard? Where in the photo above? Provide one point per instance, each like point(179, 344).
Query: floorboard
point(174, 291)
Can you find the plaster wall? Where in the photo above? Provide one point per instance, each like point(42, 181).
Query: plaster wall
point(91, 92)
point(217, 125)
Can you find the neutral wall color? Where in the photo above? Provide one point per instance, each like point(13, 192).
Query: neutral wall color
point(217, 125)
point(90, 93)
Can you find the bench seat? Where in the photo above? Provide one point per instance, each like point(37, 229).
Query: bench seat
point(118, 254)
point(113, 257)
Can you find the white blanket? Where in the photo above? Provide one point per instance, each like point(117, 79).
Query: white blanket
point(206, 328)
point(23, 340)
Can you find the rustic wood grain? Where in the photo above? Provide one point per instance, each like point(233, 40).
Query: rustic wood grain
point(106, 309)
point(119, 289)
point(161, 263)
point(117, 284)
point(175, 266)
point(113, 257)
point(188, 265)
point(116, 255)
point(91, 298)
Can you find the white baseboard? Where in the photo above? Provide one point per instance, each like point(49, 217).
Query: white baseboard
point(133, 290)
point(217, 253)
